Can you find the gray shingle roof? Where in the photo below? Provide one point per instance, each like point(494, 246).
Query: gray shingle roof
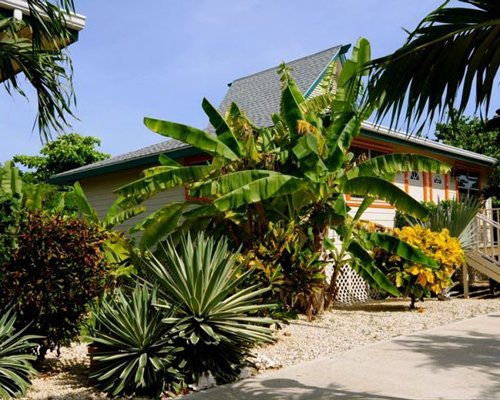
point(155, 149)
point(258, 95)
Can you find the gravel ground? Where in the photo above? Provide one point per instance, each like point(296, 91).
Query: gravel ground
point(335, 331)
point(344, 328)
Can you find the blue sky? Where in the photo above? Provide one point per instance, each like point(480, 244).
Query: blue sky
point(159, 58)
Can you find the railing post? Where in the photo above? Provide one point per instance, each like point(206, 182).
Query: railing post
point(465, 278)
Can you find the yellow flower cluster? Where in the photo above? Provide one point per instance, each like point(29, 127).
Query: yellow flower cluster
point(442, 247)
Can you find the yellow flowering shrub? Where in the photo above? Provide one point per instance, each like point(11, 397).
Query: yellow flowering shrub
point(417, 280)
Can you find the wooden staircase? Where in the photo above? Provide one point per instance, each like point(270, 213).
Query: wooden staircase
point(483, 246)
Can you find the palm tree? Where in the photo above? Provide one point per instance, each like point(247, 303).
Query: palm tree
point(35, 49)
point(452, 51)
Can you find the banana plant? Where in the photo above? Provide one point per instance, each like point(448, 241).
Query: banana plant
point(299, 168)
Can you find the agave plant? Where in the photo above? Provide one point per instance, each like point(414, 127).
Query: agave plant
point(454, 216)
point(15, 358)
point(134, 351)
point(213, 317)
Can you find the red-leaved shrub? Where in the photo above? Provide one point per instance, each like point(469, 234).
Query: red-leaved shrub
point(58, 268)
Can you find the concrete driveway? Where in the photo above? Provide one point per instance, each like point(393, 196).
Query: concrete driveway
point(456, 361)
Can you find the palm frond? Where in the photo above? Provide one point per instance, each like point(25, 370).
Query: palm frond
point(47, 68)
point(453, 51)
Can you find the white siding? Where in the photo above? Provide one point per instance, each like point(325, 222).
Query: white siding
point(99, 191)
point(437, 185)
point(399, 181)
point(380, 215)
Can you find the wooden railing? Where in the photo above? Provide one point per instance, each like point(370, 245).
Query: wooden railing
point(482, 241)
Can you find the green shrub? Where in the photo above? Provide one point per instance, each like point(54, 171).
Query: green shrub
point(15, 358)
point(134, 352)
point(417, 280)
point(58, 268)
point(9, 225)
point(283, 260)
point(213, 316)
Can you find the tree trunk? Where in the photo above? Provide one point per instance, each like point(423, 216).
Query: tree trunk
point(332, 289)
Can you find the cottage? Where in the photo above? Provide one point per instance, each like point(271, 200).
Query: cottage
point(259, 95)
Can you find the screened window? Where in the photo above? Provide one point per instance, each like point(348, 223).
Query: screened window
point(468, 184)
point(361, 154)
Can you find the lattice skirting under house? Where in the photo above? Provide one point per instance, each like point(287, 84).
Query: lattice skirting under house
point(351, 288)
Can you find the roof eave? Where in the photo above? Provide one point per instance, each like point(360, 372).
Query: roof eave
point(150, 159)
point(441, 148)
point(74, 21)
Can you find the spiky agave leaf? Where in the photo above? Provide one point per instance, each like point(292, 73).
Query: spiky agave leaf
point(134, 350)
point(15, 357)
point(213, 316)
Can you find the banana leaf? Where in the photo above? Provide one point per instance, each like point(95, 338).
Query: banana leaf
point(394, 163)
point(144, 188)
point(193, 136)
point(158, 224)
point(221, 127)
point(402, 249)
point(259, 190)
point(387, 191)
point(364, 266)
point(229, 182)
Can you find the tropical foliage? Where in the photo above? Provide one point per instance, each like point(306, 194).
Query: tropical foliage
point(15, 357)
point(67, 152)
point(473, 134)
point(212, 317)
point(460, 40)
point(9, 225)
point(34, 49)
point(454, 216)
point(134, 353)
point(299, 169)
point(415, 279)
point(59, 266)
point(284, 261)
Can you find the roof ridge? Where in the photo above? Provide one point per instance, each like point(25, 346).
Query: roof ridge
point(287, 63)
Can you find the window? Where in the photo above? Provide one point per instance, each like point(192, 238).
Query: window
point(414, 176)
point(468, 183)
point(361, 154)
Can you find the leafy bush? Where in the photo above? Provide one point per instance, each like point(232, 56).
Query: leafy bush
point(402, 219)
point(417, 280)
point(9, 225)
point(58, 268)
point(284, 261)
point(448, 214)
point(454, 216)
point(213, 317)
point(134, 352)
point(15, 358)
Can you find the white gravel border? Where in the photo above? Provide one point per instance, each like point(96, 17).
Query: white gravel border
point(335, 331)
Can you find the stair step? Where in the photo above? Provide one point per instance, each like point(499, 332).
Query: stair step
point(483, 265)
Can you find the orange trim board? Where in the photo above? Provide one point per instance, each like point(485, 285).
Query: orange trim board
point(430, 187)
point(424, 179)
point(372, 145)
point(354, 204)
point(446, 188)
